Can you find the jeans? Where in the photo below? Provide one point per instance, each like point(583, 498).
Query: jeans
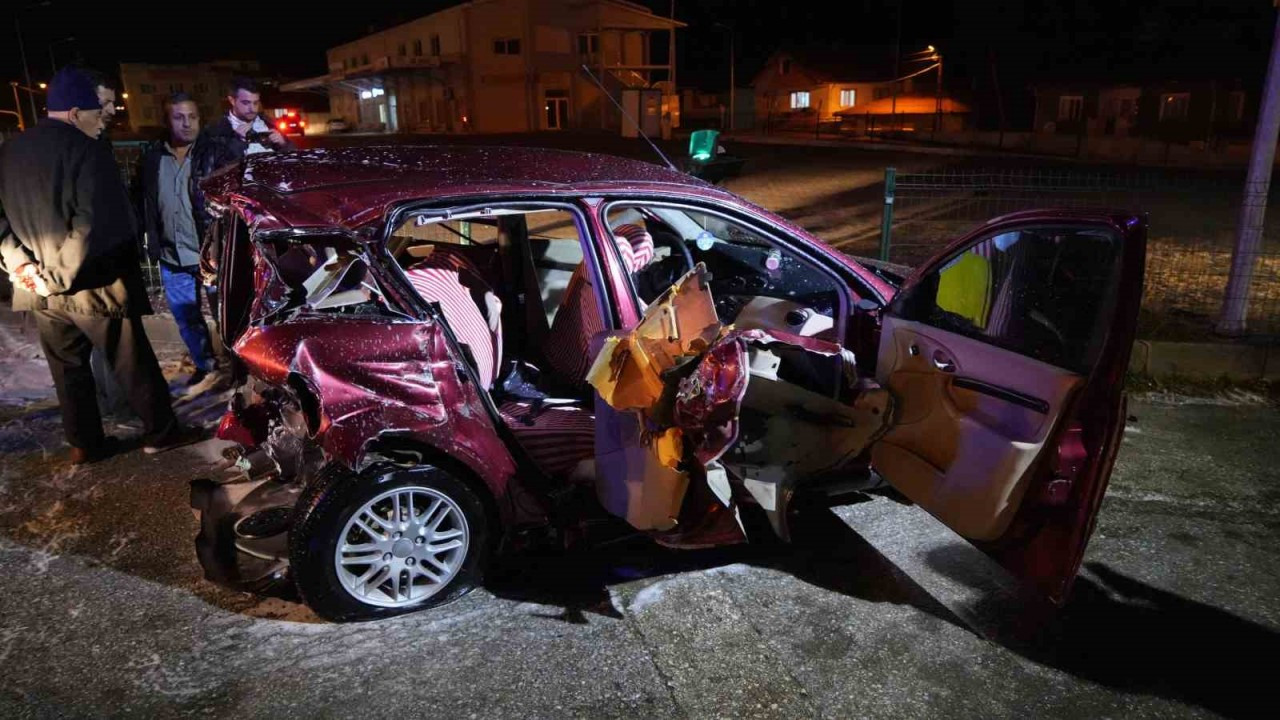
point(183, 289)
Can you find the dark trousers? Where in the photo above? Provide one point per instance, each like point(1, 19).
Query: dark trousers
point(68, 339)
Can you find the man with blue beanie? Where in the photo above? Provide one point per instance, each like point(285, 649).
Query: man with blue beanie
point(69, 245)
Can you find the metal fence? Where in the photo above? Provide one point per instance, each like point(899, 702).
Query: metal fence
point(129, 157)
point(1193, 221)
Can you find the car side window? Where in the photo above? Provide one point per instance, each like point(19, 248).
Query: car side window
point(1047, 293)
point(422, 231)
point(755, 282)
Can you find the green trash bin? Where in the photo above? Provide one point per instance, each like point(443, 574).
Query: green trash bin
point(702, 145)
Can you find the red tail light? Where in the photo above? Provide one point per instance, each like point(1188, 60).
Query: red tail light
point(302, 123)
point(283, 125)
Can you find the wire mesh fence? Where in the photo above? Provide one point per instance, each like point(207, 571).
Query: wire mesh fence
point(1194, 218)
point(128, 156)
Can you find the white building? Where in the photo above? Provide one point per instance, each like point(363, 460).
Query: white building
point(497, 66)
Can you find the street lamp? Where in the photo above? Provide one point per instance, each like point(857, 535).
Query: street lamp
point(17, 105)
point(937, 121)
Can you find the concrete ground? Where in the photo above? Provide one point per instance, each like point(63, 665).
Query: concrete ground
point(877, 612)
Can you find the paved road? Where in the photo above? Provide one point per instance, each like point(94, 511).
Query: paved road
point(878, 612)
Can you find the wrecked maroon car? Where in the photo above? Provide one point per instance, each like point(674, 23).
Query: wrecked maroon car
point(443, 350)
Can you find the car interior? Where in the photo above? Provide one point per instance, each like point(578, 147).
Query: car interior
point(512, 284)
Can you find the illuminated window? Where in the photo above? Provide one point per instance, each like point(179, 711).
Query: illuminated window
point(848, 98)
point(1173, 106)
point(799, 100)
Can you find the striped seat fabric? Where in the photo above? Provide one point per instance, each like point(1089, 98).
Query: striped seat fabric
point(469, 306)
point(557, 438)
point(578, 319)
point(635, 244)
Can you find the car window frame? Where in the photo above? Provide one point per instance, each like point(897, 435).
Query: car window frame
point(469, 204)
point(906, 298)
point(777, 237)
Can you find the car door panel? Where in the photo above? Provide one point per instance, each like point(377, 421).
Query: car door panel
point(949, 442)
point(1006, 357)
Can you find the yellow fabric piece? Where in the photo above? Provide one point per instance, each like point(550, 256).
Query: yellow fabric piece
point(669, 447)
point(964, 288)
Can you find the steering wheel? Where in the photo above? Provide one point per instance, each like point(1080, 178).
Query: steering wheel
point(673, 241)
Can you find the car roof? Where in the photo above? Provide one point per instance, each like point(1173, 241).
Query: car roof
point(350, 187)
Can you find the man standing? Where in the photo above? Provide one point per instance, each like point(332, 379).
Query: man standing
point(112, 403)
point(71, 252)
point(240, 132)
point(172, 240)
point(106, 96)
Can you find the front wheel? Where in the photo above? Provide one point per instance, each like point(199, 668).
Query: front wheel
point(371, 547)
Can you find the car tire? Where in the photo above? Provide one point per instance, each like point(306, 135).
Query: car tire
point(404, 558)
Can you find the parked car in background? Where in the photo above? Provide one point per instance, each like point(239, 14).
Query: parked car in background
point(291, 123)
point(445, 347)
point(337, 125)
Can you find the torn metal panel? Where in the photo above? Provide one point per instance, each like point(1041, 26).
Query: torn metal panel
point(358, 381)
point(709, 401)
point(311, 272)
point(244, 517)
point(706, 402)
point(792, 434)
point(680, 325)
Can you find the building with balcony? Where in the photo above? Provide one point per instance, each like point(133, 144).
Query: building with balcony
point(495, 66)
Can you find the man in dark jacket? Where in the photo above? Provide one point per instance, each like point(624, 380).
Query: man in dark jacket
point(71, 251)
point(172, 239)
point(227, 140)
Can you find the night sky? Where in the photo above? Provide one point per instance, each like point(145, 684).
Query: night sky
point(1026, 41)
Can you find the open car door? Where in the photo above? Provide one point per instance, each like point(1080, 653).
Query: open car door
point(1006, 357)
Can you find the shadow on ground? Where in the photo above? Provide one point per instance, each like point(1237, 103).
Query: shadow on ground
point(1127, 635)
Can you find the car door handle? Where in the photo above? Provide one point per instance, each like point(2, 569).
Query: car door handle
point(943, 363)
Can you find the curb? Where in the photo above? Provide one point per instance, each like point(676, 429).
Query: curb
point(1205, 360)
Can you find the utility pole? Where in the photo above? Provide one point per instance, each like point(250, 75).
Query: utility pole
point(1253, 209)
point(671, 47)
point(995, 84)
point(733, 85)
point(897, 71)
point(937, 121)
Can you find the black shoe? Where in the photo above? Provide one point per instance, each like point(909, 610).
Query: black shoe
point(196, 377)
point(88, 456)
point(177, 437)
